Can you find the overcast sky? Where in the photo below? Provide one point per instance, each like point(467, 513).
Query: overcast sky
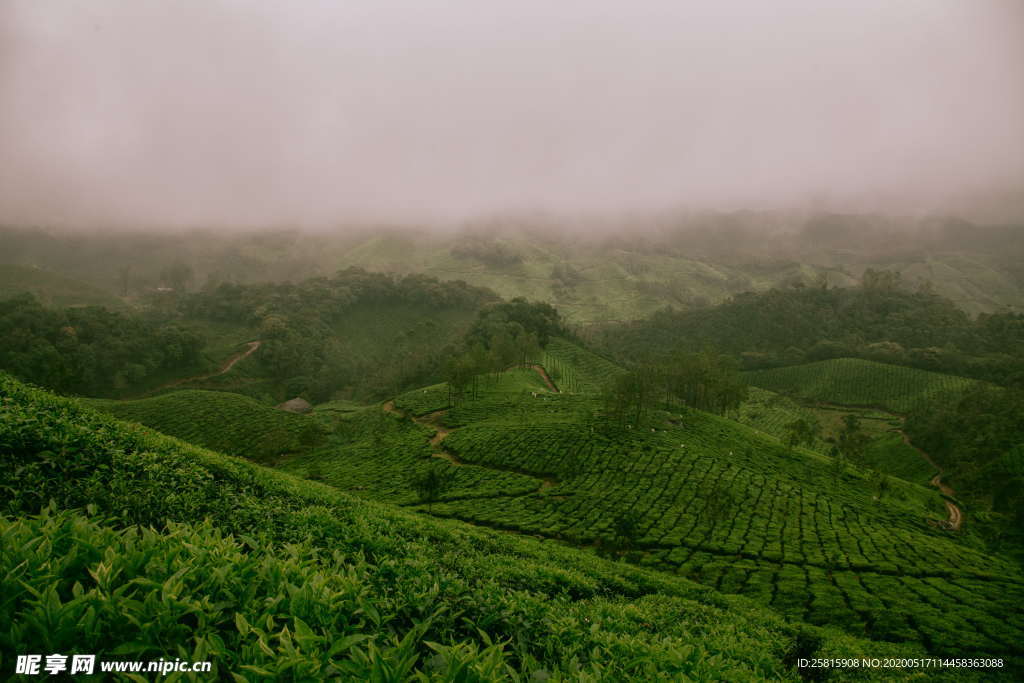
point(231, 112)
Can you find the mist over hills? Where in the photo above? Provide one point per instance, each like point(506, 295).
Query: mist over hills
point(513, 341)
point(594, 269)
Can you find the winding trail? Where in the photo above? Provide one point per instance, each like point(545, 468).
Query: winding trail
point(224, 369)
point(432, 420)
point(956, 515)
point(539, 369)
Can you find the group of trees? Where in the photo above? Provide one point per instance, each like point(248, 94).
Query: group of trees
point(979, 436)
point(328, 299)
point(304, 353)
point(90, 351)
point(489, 252)
point(706, 381)
point(847, 449)
point(881, 320)
point(464, 371)
point(504, 335)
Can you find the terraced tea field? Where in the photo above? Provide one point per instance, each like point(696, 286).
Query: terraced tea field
point(856, 382)
point(375, 454)
point(700, 496)
point(787, 536)
point(886, 451)
point(575, 369)
point(314, 584)
point(731, 507)
point(227, 422)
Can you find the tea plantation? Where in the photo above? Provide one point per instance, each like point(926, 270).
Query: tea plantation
point(691, 512)
point(733, 508)
point(129, 544)
point(222, 421)
point(852, 381)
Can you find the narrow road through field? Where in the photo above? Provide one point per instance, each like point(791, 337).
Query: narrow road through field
point(956, 516)
point(539, 369)
point(432, 420)
point(224, 369)
point(429, 420)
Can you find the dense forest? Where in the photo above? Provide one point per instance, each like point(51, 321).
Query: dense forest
point(91, 350)
point(878, 320)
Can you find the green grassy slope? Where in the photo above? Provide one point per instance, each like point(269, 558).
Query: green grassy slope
point(887, 452)
point(222, 421)
point(628, 284)
point(53, 289)
point(614, 284)
point(732, 508)
point(852, 381)
point(789, 536)
point(575, 369)
point(173, 550)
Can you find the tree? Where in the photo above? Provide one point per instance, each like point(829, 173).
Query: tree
point(879, 483)
point(705, 381)
point(838, 465)
point(802, 431)
point(124, 275)
point(881, 281)
point(629, 397)
point(852, 441)
point(458, 373)
point(625, 528)
point(430, 483)
point(177, 276)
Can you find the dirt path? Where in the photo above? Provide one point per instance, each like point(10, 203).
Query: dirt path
point(432, 420)
point(956, 516)
point(224, 369)
point(539, 369)
point(429, 420)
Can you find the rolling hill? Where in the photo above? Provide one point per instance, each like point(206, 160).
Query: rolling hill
point(702, 497)
point(618, 281)
point(688, 499)
point(857, 382)
point(53, 289)
point(148, 540)
point(230, 423)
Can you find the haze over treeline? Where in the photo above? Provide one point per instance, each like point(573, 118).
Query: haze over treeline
point(129, 113)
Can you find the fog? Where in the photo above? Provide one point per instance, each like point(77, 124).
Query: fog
point(232, 113)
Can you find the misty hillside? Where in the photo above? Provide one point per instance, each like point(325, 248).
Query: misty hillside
point(521, 342)
point(682, 262)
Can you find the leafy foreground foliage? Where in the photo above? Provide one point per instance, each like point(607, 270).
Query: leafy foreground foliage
point(851, 381)
point(221, 421)
point(146, 545)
